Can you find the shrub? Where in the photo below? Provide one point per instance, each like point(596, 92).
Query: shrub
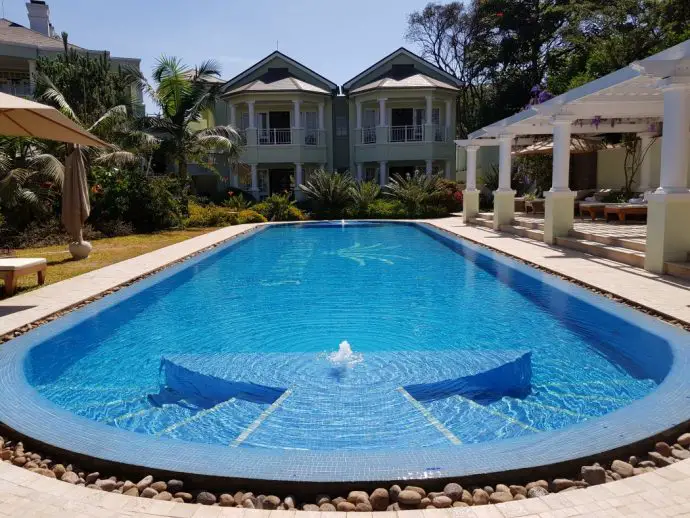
point(237, 203)
point(387, 209)
point(279, 207)
point(330, 193)
point(452, 195)
point(250, 216)
point(415, 192)
point(147, 204)
point(210, 216)
point(363, 195)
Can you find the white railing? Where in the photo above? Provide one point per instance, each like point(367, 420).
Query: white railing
point(368, 135)
point(18, 88)
point(406, 134)
point(439, 133)
point(274, 136)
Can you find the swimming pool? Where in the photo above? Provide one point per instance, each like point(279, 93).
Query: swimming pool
point(453, 349)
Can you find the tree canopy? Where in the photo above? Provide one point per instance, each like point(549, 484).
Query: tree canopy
point(500, 50)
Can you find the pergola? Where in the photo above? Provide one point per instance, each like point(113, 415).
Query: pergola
point(634, 99)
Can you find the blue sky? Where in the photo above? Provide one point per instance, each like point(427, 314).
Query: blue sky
point(338, 39)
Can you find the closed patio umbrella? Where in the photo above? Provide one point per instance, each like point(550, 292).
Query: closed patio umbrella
point(23, 118)
point(75, 201)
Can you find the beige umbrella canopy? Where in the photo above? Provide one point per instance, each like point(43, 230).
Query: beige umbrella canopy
point(23, 118)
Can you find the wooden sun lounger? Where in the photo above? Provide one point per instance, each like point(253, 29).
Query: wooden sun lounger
point(592, 208)
point(623, 210)
point(14, 267)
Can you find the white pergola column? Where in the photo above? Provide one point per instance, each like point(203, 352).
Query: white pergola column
point(645, 183)
point(383, 173)
point(299, 180)
point(359, 171)
point(560, 200)
point(382, 129)
point(429, 167)
point(429, 127)
point(255, 181)
point(504, 196)
point(470, 196)
point(668, 215)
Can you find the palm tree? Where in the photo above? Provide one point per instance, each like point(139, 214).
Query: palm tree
point(30, 176)
point(184, 95)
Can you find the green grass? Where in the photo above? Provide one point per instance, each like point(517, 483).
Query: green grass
point(105, 252)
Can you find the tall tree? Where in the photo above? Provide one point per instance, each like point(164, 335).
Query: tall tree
point(184, 95)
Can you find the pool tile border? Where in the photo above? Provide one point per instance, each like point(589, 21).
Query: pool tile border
point(40, 419)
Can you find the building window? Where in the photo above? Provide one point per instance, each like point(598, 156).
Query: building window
point(370, 173)
point(341, 126)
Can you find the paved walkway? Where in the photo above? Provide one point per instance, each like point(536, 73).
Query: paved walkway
point(664, 492)
point(667, 295)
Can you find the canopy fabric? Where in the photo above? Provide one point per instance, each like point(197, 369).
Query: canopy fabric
point(75, 194)
point(23, 118)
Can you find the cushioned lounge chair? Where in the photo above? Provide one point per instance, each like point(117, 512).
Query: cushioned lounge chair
point(11, 268)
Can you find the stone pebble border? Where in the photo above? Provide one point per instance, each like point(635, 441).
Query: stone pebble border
point(394, 498)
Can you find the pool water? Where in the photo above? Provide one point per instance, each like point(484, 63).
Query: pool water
point(415, 308)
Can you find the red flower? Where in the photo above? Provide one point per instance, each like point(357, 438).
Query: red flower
point(499, 14)
point(230, 193)
point(457, 195)
point(97, 189)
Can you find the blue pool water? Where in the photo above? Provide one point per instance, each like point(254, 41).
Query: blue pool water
point(417, 310)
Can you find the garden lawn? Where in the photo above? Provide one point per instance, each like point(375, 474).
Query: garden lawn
point(105, 252)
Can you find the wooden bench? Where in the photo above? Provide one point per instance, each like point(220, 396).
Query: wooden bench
point(625, 210)
point(591, 208)
point(14, 267)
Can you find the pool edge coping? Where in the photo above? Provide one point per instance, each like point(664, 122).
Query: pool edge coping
point(535, 272)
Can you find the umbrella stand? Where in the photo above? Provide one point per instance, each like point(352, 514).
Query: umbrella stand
point(75, 201)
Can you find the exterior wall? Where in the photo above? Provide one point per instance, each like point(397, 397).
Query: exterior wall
point(278, 62)
point(611, 167)
point(401, 59)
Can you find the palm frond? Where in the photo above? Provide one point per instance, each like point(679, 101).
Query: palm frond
point(112, 116)
point(48, 166)
point(119, 158)
point(207, 70)
point(54, 96)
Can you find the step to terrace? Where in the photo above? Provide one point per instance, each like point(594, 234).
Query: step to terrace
point(609, 240)
point(615, 253)
point(484, 220)
point(524, 231)
point(678, 269)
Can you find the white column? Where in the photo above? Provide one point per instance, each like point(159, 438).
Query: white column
point(32, 72)
point(504, 196)
point(471, 181)
point(674, 145)
point(383, 175)
point(429, 167)
point(668, 212)
point(382, 112)
point(646, 164)
point(448, 170)
point(255, 179)
point(429, 107)
point(470, 198)
point(561, 155)
point(252, 121)
point(358, 105)
point(299, 180)
point(233, 115)
point(322, 124)
point(296, 121)
point(560, 206)
point(359, 171)
point(449, 116)
point(504, 162)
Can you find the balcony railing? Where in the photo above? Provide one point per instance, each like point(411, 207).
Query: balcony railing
point(18, 88)
point(368, 135)
point(312, 137)
point(406, 134)
point(439, 133)
point(275, 136)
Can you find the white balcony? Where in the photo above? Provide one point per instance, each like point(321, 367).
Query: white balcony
point(369, 135)
point(406, 133)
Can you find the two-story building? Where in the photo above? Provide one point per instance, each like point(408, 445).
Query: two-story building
point(397, 116)
point(20, 48)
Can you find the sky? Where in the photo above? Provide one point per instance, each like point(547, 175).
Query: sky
point(336, 38)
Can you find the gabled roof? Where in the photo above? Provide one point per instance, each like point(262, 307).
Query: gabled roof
point(401, 51)
point(412, 81)
point(277, 54)
point(285, 84)
point(13, 33)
